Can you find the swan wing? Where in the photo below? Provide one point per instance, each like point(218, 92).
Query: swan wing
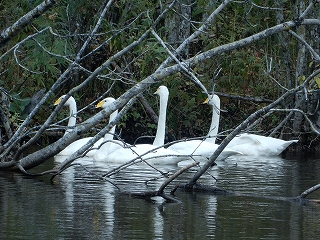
point(154, 156)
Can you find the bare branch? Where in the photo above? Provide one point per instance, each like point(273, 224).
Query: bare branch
point(309, 191)
point(12, 31)
point(313, 127)
point(313, 53)
point(175, 175)
point(197, 33)
point(181, 64)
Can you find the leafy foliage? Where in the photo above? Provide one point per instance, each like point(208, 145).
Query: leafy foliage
point(39, 61)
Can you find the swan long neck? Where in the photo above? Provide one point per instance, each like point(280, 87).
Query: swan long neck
point(109, 135)
point(73, 115)
point(213, 131)
point(161, 129)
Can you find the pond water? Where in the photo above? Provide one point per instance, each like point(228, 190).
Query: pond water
point(77, 205)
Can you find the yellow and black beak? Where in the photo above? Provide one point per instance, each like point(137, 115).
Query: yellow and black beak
point(100, 104)
point(206, 101)
point(57, 101)
point(156, 92)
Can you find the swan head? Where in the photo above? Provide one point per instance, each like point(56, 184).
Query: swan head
point(213, 100)
point(162, 91)
point(69, 102)
point(105, 102)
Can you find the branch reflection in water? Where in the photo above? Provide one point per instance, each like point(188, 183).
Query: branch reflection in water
point(79, 205)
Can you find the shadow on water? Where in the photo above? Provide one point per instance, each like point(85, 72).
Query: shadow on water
point(80, 206)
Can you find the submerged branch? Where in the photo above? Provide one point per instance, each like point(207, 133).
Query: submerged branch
point(219, 191)
point(175, 175)
point(310, 190)
point(160, 191)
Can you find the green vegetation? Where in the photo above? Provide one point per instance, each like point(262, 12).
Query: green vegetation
point(31, 67)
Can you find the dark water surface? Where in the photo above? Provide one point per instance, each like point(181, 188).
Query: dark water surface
point(77, 205)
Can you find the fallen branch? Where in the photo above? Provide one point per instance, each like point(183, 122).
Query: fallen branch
point(160, 191)
point(246, 98)
point(219, 191)
point(310, 190)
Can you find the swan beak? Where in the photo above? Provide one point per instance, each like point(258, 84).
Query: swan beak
point(100, 104)
point(57, 101)
point(206, 101)
point(156, 92)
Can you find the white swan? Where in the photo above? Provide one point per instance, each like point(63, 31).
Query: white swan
point(73, 147)
point(158, 156)
point(207, 147)
point(257, 145)
point(247, 144)
point(109, 145)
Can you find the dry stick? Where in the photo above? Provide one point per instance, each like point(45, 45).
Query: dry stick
point(97, 26)
point(219, 191)
point(15, 28)
point(96, 175)
point(201, 30)
point(55, 172)
point(280, 125)
point(313, 53)
point(308, 191)
point(246, 98)
point(22, 41)
point(175, 175)
point(297, 104)
point(141, 98)
point(181, 64)
point(313, 127)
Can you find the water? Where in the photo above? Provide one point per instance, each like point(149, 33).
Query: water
point(77, 205)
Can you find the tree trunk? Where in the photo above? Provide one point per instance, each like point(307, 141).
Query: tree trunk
point(178, 26)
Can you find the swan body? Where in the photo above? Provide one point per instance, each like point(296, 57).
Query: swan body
point(73, 147)
point(247, 144)
point(160, 155)
point(201, 150)
point(154, 157)
point(257, 145)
